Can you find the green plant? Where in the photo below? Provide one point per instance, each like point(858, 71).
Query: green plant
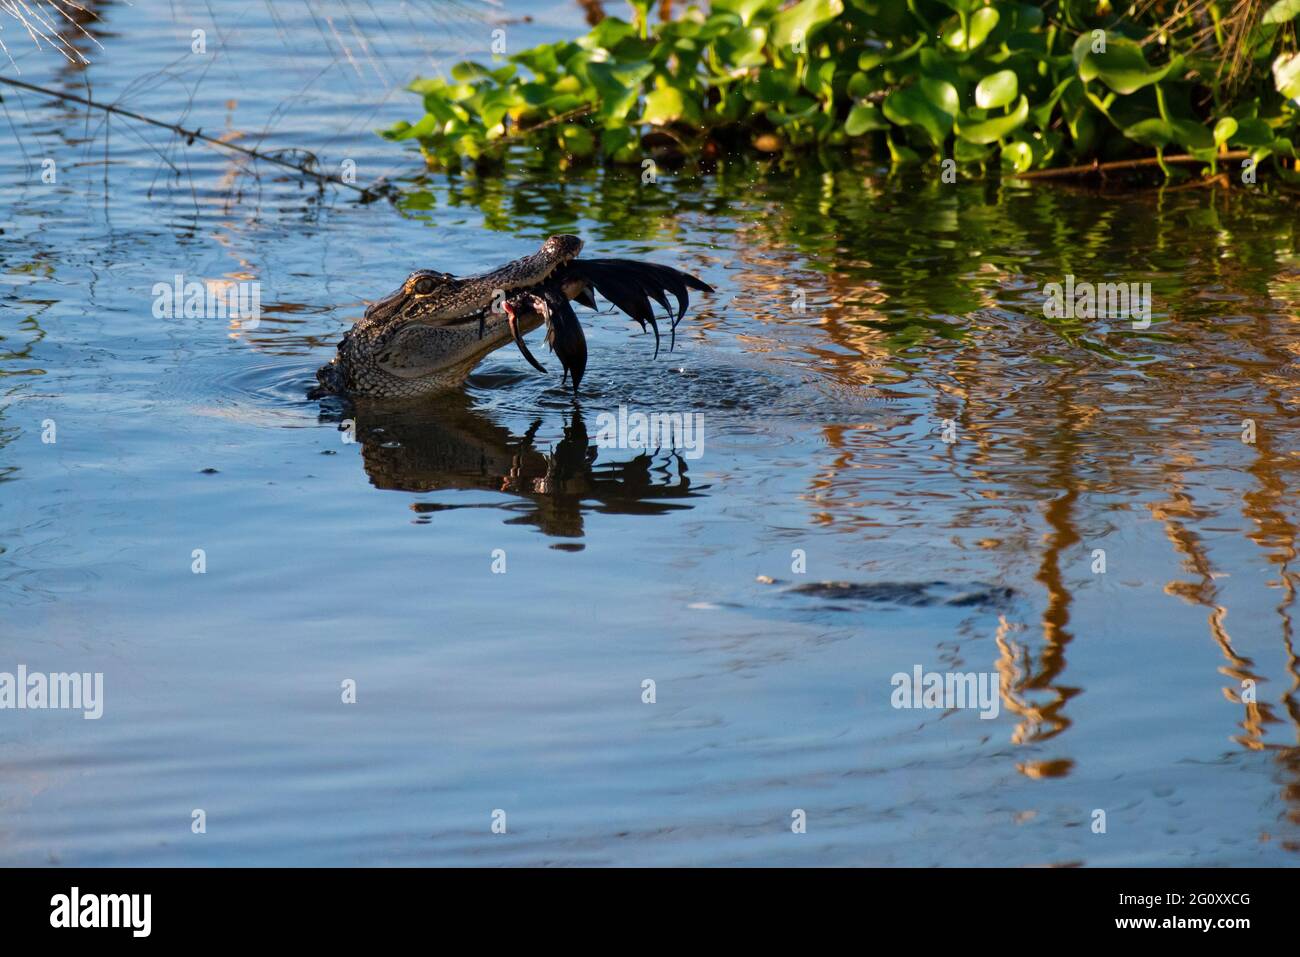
point(984, 83)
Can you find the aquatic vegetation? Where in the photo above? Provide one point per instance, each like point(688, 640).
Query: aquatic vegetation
point(980, 84)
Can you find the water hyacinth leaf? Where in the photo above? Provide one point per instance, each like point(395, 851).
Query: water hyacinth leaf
point(1046, 145)
point(614, 142)
point(468, 72)
point(775, 86)
point(1286, 75)
point(964, 152)
point(664, 105)
point(1284, 11)
point(819, 79)
point(963, 6)
point(910, 107)
point(997, 89)
point(535, 94)
point(864, 118)
point(568, 84)
point(1042, 113)
point(793, 110)
point(429, 125)
point(1224, 130)
point(577, 140)
point(635, 49)
point(1018, 155)
point(996, 127)
point(941, 93)
point(608, 34)
point(934, 64)
point(564, 103)
point(541, 60)
point(454, 93)
point(692, 28)
point(1252, 133)
point(798, 23)
point(901, 155)
point(869, 59)
point(441, 110)
point(1034, 44)
point(469, 146)
point(1028, 17)
point(742, 48)
point(747, 10)
point(494, 103)
point(427, 84)
point(859, 85)
point(1122, 66)
point(1154, 132)
point(618, 86)
point(1192, 135)
point(982, 22)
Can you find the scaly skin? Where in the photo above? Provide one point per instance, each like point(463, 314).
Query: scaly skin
point(354, 371)
point(428, 335)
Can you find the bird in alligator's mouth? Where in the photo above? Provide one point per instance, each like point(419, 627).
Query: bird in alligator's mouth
point(429, 334)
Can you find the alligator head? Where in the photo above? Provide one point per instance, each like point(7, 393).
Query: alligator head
point(428, 334)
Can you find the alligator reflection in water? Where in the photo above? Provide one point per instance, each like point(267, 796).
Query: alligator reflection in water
point(449, 445)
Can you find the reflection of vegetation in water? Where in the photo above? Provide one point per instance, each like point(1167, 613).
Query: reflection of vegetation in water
point(17, 343)
point(906, 266)
point(7, 435)
point(936, 291)
point(14, 355)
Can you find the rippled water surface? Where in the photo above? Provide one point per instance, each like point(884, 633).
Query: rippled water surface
point(1162, 691)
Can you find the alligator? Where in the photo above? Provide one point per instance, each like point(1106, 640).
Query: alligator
point(429, 334)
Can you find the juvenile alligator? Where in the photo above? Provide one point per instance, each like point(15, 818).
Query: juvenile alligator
point(429, 334)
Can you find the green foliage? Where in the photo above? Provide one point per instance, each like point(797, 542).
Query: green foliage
point(1005, 83)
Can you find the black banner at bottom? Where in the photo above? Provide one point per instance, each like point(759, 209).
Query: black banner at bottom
point(364, 905)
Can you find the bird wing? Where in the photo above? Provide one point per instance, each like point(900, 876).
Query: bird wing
point(630, 286)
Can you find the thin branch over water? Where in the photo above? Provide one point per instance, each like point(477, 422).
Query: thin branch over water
point(304, 168)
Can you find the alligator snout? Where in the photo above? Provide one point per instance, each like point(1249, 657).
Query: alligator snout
point(562, 246)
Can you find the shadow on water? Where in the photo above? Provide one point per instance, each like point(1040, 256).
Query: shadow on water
point(451, 446)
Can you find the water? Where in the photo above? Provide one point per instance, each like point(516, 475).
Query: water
point(371, 561)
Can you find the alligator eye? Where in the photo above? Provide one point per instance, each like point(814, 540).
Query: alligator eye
point(424, 285)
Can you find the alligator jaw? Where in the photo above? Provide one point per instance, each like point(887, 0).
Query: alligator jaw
point(436, 298)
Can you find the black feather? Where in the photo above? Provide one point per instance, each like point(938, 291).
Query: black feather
point(564, 334)
point(630, 286)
